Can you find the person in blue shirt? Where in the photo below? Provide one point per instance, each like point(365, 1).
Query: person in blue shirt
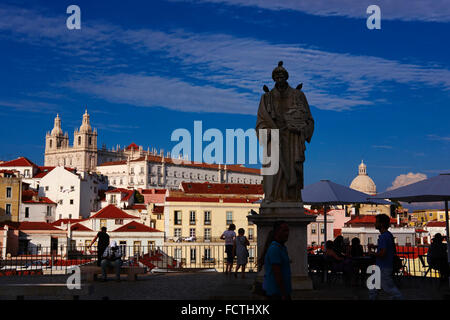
point(385, 258)
point(277, 277)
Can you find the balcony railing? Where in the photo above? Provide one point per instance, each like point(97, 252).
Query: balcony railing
point(172, 255)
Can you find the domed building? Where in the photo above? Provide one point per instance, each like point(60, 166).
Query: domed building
point(363, 183)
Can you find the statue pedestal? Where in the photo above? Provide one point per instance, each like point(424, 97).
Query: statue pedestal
point(298, 221)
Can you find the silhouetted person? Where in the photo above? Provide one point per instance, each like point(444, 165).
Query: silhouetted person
point(277, 277)
point(385, 258)
point(103, 242)
point(112, 258)
point(337, 262)
point(340, 247)
point(437, 256)
point(240, 250)
point(229, 236)
point(356, 249)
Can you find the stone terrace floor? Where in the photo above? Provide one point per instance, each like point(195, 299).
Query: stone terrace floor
point(218, 286)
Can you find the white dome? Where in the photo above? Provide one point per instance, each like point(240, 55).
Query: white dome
point(363, 182)
point(57, 131)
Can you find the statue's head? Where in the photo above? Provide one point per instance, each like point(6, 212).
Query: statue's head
point(280, 74)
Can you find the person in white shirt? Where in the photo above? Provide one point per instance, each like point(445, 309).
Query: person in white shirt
point(112, 258)
point(229, 236)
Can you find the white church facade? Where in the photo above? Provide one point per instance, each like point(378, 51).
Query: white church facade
point(132, 167)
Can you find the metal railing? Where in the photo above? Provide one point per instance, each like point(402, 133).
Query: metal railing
point(414, 260)
point(174, 257)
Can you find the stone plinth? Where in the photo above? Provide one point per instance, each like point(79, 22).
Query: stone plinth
point(298, 221)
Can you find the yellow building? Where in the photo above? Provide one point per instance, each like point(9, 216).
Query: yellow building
point(421, 217)
point(195, 217)
point(10, 196)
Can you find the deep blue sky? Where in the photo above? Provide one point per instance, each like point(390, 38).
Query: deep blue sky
point(146, 68)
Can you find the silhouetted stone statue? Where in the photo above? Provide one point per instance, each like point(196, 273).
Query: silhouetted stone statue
point(286, 109)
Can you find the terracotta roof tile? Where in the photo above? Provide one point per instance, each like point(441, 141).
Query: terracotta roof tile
point(222, 188)
point(36, 226)
point(133, 146)
point(158, 159)
point(436, 224)
point(134, 226)
point(19, 162)
point(112, 212)
point(79, 227)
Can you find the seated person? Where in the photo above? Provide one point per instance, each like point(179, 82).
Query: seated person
point(357, 251)
point(340, 247)
point(437, 256)
point(112, 258)
point(338, 262)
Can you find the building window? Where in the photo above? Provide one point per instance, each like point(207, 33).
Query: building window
point(192, 217)
point(207, 219)
point(158, 216)
point(79, 140)
point(60, 202)
point(119, 221)
point(71, 201)
point(229, 217)
point(192, 232)
point(313, 228)
point(177, 254)
point(369, 240)
point(250, 234)
point(177, 217)
point(49, 211)
point(27, 212)
point(90, 140)
point(207, 253)
point(8, 209)
point(136, 247)
point(72, 188)
point(46, 188)
point(207, 234)
point(322, 229)
point(132, 170)
point(8, 192)
point(177, 232)
point(150, 246)
point(102, 223)
point(123, 247)
point(193, 255)
point(70, 216)
point(61, 188)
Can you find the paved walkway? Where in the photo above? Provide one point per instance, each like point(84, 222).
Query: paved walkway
point(218, 286)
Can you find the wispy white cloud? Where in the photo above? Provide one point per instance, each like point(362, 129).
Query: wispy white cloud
point(28, 106)
point(412, 10)
point(215, 72)
point(438, 138)
point(148, 91)
point(406, 179)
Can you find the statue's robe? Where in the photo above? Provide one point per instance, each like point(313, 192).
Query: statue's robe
point(288, 111)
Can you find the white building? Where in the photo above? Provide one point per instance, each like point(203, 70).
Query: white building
point(120, 197)
point(122, 227)
point(157, 171)
point(363, 227)
point(76, 194)
point(36, 209)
